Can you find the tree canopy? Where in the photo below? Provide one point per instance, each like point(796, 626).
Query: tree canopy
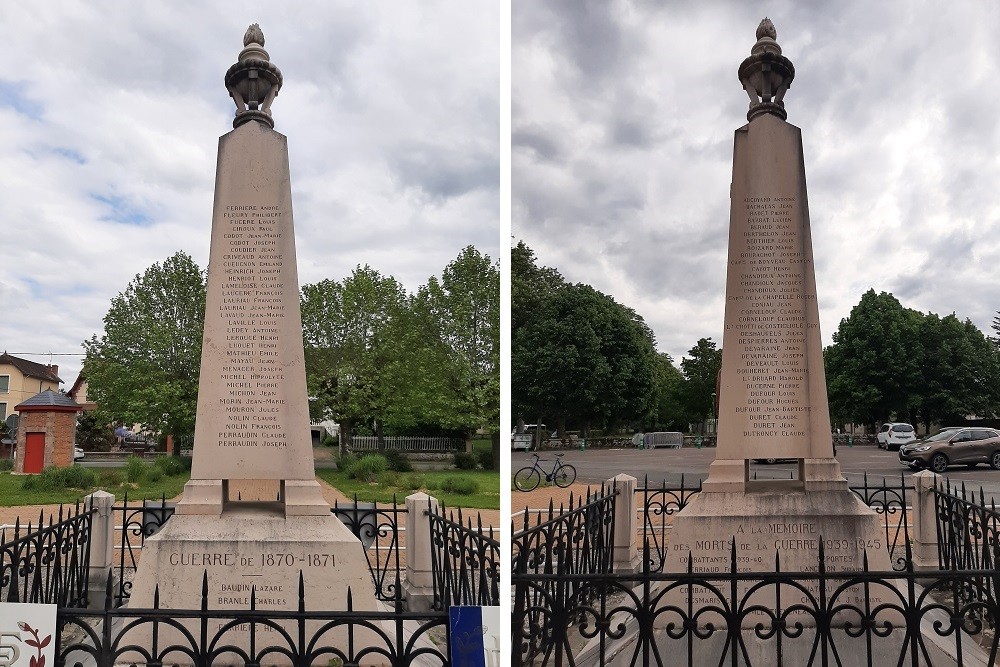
point(890, 362)
point(700, 369)
point(144, 368)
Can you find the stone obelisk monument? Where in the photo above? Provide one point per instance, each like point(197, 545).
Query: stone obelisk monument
point(252, 424)
point(773, 400)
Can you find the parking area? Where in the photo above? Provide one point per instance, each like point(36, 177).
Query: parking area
point(668, 465)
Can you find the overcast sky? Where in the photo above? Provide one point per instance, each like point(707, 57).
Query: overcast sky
point(623, 119)
point(110, 114)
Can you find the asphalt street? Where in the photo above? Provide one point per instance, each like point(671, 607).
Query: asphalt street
point(669, 465)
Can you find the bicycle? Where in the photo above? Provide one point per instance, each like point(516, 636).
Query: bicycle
point(528, 478)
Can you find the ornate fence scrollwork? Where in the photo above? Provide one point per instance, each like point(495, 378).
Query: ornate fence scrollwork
point(465, 560)
point(48, 562)
point(378, 528)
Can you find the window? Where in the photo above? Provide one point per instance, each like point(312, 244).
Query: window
point(4, 384)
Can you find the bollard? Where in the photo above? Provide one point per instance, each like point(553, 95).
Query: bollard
point(697, 442)
point(850, 441)
point(583, 444)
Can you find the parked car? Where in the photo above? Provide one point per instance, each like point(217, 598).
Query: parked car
point(77, 453)
point(954, 446)
point(894, 435)
point(526, 439)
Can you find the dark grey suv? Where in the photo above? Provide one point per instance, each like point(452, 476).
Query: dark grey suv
point(954, 446)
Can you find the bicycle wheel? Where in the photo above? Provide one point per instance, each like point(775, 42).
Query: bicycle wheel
point(526, 479)
point(565, 476)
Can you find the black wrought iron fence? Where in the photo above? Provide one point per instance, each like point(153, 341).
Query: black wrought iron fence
point(658, 505)
point(204, 636)
point(379, 528)
point(892, 503)
point(754, 618)
point(465, 560)
point(134, 522)
point(577, 539)
point(48, 562)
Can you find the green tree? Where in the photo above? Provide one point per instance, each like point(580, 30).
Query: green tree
point(668, 409)
point(346, 329)
point(530, 285)
point(700, 369)
point(463, 308)
point(144, 368)
point(94, 432)
point(583, 357)
point(872, 368)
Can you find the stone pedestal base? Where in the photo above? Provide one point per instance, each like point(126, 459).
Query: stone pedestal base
point(210, 497)
point(783, 524)
point(254, 548)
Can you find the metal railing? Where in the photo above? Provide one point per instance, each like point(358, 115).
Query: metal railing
point(406, 443)
point(465, 560)
point(204, 636)
point(378, 527)
point(48, 562)
point(817, 618)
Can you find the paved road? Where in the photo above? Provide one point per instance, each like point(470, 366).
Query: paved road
point(659, 465)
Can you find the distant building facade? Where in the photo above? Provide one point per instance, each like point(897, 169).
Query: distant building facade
point(21, 379)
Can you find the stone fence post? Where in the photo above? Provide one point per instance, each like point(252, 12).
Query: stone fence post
point(102, 546)
point(626, 552)
point(925, 538)
point(419, 585)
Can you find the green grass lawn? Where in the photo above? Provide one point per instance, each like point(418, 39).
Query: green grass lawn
point(12, 492)
point(486, 497)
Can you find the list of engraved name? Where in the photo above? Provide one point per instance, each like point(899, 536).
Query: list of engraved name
point(770, 319)
point(252, 310)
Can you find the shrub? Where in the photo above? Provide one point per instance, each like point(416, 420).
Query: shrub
point(398, 461)
point(330, 440)
point(171, 465)
point(412, 482)
point(154, 474)
point(54, 479)
point(459, 485)
point(485, 457)
point(368, 467)
point(6, 464)
point(135, 469)
point(346, 461)
point(466, 461)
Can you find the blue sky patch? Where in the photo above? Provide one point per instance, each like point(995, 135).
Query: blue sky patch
point(14, 95)
point(123, 211)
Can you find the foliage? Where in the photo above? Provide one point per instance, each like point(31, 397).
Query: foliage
point(6, 465)
point(669, 400)
point(466, 461)
point(368, 467)
point(484, 457)
point(144, 368)
point(464, 309)
point(430, 481)
point(55, 479)
point(173, 465)
point(460, 485)
point(530, 285)
point(346, 332)
point(135, 469)
point(94, 432)
point(889, 362)
point(701, 372)
point(583, 358)
point(397, 460)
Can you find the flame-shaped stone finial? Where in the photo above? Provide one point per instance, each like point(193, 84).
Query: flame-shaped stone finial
point(766, 74)
point(765, 29)
point(255, 35)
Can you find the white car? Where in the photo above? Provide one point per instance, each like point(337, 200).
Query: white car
point(895, 435)
point(77, 453)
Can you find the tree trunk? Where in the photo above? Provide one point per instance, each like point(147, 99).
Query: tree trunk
point(379, 437)
point(346, 432)
point(496, 450)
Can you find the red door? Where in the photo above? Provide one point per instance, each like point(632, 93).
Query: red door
point(34, 452)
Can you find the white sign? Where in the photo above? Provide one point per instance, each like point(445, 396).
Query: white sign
point(27, 634)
